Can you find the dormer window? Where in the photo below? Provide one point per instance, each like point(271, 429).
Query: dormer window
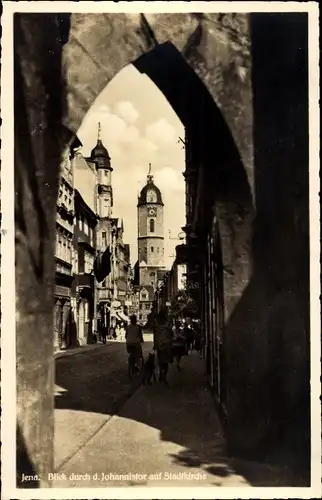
point(151, 197)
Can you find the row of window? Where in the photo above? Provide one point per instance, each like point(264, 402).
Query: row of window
point(88, 263)
point(75, 261)
point(66, 168)
point(83, 225)
point(63, 269)
point(152, 249)
point(65, 195)
point(63, 247)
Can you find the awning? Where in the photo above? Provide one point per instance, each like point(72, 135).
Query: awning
point(123, 316)
point(102, 265)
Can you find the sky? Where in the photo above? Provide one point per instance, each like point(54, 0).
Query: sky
point(138, 127)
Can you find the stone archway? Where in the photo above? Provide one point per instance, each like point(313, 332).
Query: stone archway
point(217, 49)
point(215, 46)
point(103, 44)
point(208, 87)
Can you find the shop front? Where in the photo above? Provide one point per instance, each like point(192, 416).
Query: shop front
point(85, 309)
point(213, 313)
point(62, 317)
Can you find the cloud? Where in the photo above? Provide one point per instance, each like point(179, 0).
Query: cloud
point(135, 135)
point(115, 131)
point(161, 131)
point(127, 111)
point(103, 108)
point(145, 147)
point(131, 135)
point(169, 179)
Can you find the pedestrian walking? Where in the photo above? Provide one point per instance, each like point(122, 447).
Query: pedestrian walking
point(163, 345)
point(198, 345)
point(103, 334)
point(117, 331)
point(178, 344)
point(189, 334)
point(134, 339)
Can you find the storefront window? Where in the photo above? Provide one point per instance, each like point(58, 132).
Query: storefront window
point(86, 312)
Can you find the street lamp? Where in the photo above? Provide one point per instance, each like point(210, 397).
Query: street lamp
point(180, 237)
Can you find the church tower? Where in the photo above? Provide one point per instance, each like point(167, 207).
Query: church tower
point(150, 242)
point(104, 238)
point(104, 178)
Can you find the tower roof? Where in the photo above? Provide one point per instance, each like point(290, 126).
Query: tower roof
point(100, 150)
point(150, 186)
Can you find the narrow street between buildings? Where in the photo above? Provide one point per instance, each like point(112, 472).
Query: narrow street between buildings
point(91, 385)
point(109, 432)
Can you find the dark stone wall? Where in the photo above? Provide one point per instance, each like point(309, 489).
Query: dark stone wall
point(268, 333)
point(38, 99)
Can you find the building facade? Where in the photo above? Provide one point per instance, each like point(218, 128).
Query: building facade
point(112, 291)
point(106, 289)
point(120, 273)
point(84, 289)
point(150, 244)
point(63, 254)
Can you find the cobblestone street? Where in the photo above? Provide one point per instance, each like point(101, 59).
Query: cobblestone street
point(110, 433)
point(91, 385)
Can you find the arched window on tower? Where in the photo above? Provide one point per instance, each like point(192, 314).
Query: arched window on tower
point(152, 249)
point(151, 225)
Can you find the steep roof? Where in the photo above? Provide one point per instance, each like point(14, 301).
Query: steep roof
point(150, 186)
point(99, 151)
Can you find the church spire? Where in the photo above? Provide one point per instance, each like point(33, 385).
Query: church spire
point(99, 132)
point(150, 176)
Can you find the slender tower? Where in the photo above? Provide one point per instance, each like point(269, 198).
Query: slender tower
point(150, 241)
point(104, 237)
point(104, 178)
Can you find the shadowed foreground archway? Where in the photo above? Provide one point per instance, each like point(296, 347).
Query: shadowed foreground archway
point(189, 55)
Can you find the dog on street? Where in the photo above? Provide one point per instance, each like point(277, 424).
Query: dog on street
point(149, 370)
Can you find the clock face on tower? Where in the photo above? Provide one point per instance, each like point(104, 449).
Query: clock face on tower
point(152, 211)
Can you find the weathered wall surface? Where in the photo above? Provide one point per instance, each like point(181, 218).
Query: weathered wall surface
point(268, 333)
point(216, 46)
point(38, 97)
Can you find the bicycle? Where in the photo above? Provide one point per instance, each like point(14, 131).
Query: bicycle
point(135, 366)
